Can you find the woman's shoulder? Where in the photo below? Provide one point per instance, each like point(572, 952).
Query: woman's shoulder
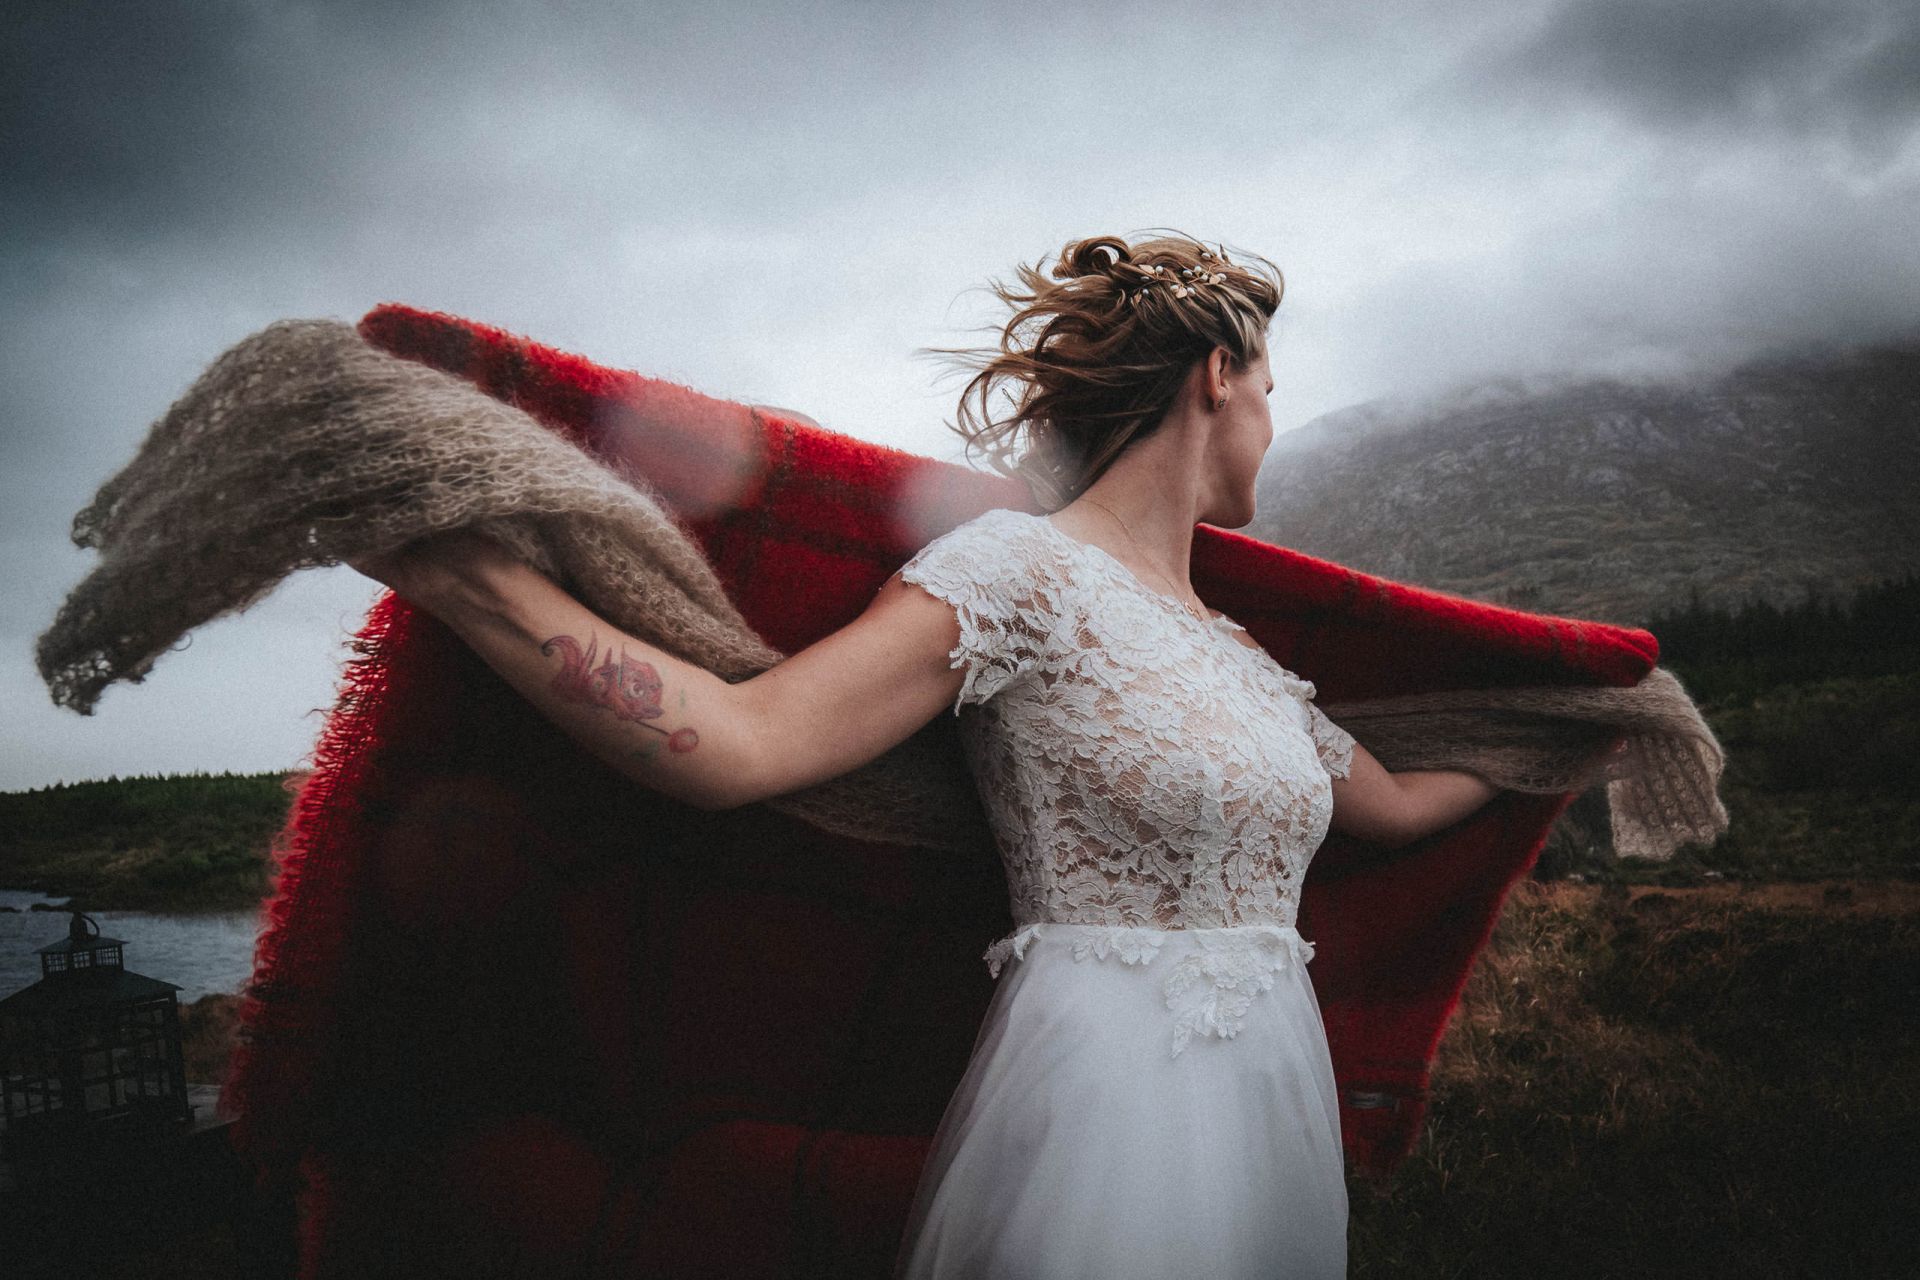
point(996, 527)
point(1005, 520)
point(1002, 548)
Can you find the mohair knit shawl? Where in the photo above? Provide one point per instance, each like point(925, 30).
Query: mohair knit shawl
point(304, 445)
point(508, 1005)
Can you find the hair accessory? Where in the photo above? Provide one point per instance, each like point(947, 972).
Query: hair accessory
point(1191, 278)
point(1185, 285)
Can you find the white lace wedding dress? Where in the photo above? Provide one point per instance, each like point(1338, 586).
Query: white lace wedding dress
point(1150, 1093)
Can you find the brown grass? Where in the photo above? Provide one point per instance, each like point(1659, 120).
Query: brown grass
point(208, 1028)
point(1658, 1082)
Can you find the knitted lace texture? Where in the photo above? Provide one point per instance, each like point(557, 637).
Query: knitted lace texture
point(303, 445)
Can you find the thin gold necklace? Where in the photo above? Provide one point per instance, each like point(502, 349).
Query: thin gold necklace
point(1143, 555)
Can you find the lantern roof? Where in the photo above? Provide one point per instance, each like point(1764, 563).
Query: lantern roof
point(86, 987)
point(92, 942)
point(83, 934)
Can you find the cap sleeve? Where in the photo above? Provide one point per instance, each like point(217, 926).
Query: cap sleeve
point(1003, 593)
point(1333, 744)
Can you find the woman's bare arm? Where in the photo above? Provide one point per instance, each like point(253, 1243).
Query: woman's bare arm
point(1399, 808)
point(670, 724)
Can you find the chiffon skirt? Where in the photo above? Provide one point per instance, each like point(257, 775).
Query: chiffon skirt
point(1080, 1143)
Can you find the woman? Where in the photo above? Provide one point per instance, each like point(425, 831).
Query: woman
point(1151, 1087)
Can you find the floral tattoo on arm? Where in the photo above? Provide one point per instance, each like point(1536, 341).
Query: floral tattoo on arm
point(624, 685)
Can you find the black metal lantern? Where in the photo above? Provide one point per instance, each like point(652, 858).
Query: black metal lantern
point(90, 1054)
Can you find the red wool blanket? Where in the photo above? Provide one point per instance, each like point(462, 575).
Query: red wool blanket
point(514, 1014)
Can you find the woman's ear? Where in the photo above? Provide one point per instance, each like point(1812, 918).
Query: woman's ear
point(1219, 365)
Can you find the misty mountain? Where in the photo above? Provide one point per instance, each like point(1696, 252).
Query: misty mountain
point(1608, 499)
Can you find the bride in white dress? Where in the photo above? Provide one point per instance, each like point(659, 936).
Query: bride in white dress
point(1150, 1093)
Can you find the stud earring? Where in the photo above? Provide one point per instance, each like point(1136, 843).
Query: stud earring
point(1220, 403)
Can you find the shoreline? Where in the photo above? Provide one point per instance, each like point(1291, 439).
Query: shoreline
point(80, 903)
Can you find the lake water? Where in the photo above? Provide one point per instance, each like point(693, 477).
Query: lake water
point(201, 954)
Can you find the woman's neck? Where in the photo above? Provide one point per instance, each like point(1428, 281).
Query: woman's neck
point(1138, 518)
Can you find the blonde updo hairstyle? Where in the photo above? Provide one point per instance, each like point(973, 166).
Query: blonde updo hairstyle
point(1093, 358)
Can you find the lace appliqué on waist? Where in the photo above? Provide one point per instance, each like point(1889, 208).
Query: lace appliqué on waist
point(1209, 990)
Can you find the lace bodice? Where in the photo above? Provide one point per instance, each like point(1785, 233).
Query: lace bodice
point(1141, 769)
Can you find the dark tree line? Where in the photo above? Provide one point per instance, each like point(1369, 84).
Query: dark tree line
point(1737, 653)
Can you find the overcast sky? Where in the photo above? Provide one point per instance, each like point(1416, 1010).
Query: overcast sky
point(778, 203)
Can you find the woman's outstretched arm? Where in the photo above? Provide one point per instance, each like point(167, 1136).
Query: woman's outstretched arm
point(670, 724)
point(1399, 808)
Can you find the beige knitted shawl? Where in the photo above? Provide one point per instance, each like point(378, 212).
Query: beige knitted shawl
point(303, 445)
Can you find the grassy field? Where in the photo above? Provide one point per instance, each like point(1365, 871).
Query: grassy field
point(1651, 1082)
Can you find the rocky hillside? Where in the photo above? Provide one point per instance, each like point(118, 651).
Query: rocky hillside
point(1608, 500)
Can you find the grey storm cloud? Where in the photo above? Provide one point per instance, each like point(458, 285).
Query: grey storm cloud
point(133, 122)
point(1851, 67)
point(137, 120)
point(781, 202)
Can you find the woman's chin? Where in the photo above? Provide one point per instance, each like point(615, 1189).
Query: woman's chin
point(1238, 517)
